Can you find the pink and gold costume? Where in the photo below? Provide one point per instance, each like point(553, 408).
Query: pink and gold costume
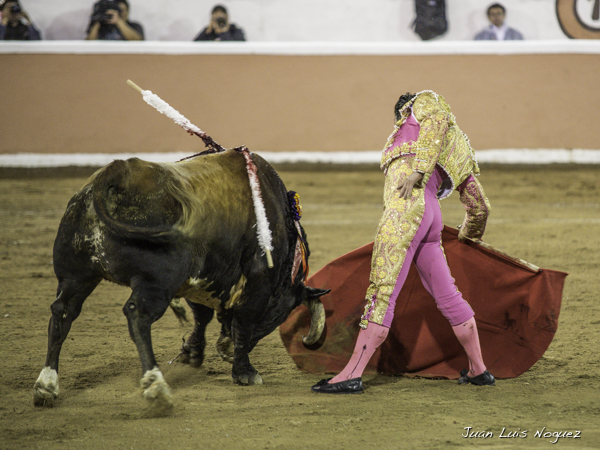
point(426, 139)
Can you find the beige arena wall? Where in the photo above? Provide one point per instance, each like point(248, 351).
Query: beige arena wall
point(76, 100)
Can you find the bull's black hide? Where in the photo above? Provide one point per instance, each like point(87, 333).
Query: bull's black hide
point(185, 229)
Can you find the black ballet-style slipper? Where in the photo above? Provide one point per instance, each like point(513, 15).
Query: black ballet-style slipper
point(352, 386)
point(484, 379)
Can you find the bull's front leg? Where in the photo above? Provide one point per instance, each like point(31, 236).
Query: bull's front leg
point(142, 309)
point(66, 308)
point(242, 371)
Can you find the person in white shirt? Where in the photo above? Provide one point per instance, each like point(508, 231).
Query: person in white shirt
point(497, 30)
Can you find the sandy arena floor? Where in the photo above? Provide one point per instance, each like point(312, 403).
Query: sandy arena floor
point(548, 215)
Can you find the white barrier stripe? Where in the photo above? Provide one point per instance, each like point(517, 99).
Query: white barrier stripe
point(350, 222)
point(305, 48)
point(504, 156)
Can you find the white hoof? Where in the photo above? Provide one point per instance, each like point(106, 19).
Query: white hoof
point(252, 380)
point(156, 391)
point(255, 379)
point(45, 389)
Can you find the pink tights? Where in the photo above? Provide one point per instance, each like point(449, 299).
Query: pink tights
point(427, 253)
point(469, 338)
point(367, 342)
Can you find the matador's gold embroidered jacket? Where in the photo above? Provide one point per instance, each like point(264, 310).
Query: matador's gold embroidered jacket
point(441, 142)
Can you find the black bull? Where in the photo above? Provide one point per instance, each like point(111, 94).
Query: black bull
point(173, 230)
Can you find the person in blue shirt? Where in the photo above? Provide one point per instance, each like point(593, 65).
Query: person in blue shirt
point(497, 30)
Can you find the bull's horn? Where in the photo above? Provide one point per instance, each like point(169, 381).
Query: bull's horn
point(317, 315)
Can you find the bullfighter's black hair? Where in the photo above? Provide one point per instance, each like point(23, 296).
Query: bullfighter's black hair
point(404, 98)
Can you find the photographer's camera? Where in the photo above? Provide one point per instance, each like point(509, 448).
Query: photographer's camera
point(101, 9)
point(15, 8)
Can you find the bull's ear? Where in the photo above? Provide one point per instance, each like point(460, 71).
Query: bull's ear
point(312, 293)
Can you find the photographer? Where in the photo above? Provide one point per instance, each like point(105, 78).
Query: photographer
point(15, 24)
point(110, 22)
point(220, 29)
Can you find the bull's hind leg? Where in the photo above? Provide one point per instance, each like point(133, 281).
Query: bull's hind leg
point(144, 307)
point(225, 343)
point(66, 308)
point(193, 348)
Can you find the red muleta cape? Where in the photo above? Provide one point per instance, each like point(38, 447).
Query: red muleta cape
point(516, 307)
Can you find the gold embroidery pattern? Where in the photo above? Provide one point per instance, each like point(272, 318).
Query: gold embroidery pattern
point(477, 208)
point(440, 141)
point(397, 228)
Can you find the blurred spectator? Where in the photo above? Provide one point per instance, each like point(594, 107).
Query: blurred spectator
point(15, 24)
point(497, 31)
point(110, 22)
point(220, 29)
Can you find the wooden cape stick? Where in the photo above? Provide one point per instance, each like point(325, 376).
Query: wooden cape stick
point(518, 261)
point(209, 142)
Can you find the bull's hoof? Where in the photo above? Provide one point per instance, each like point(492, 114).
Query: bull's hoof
point(157, 392)
point(248, 379)
point(45, 389)
point(225, 348)
point(192, 351)
point(191, 356)
point(42, 397)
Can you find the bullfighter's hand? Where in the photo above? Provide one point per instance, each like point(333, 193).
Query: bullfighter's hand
point(406, 187)
point(463, 237)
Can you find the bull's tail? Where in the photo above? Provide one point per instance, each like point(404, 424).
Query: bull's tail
point(103, 187)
